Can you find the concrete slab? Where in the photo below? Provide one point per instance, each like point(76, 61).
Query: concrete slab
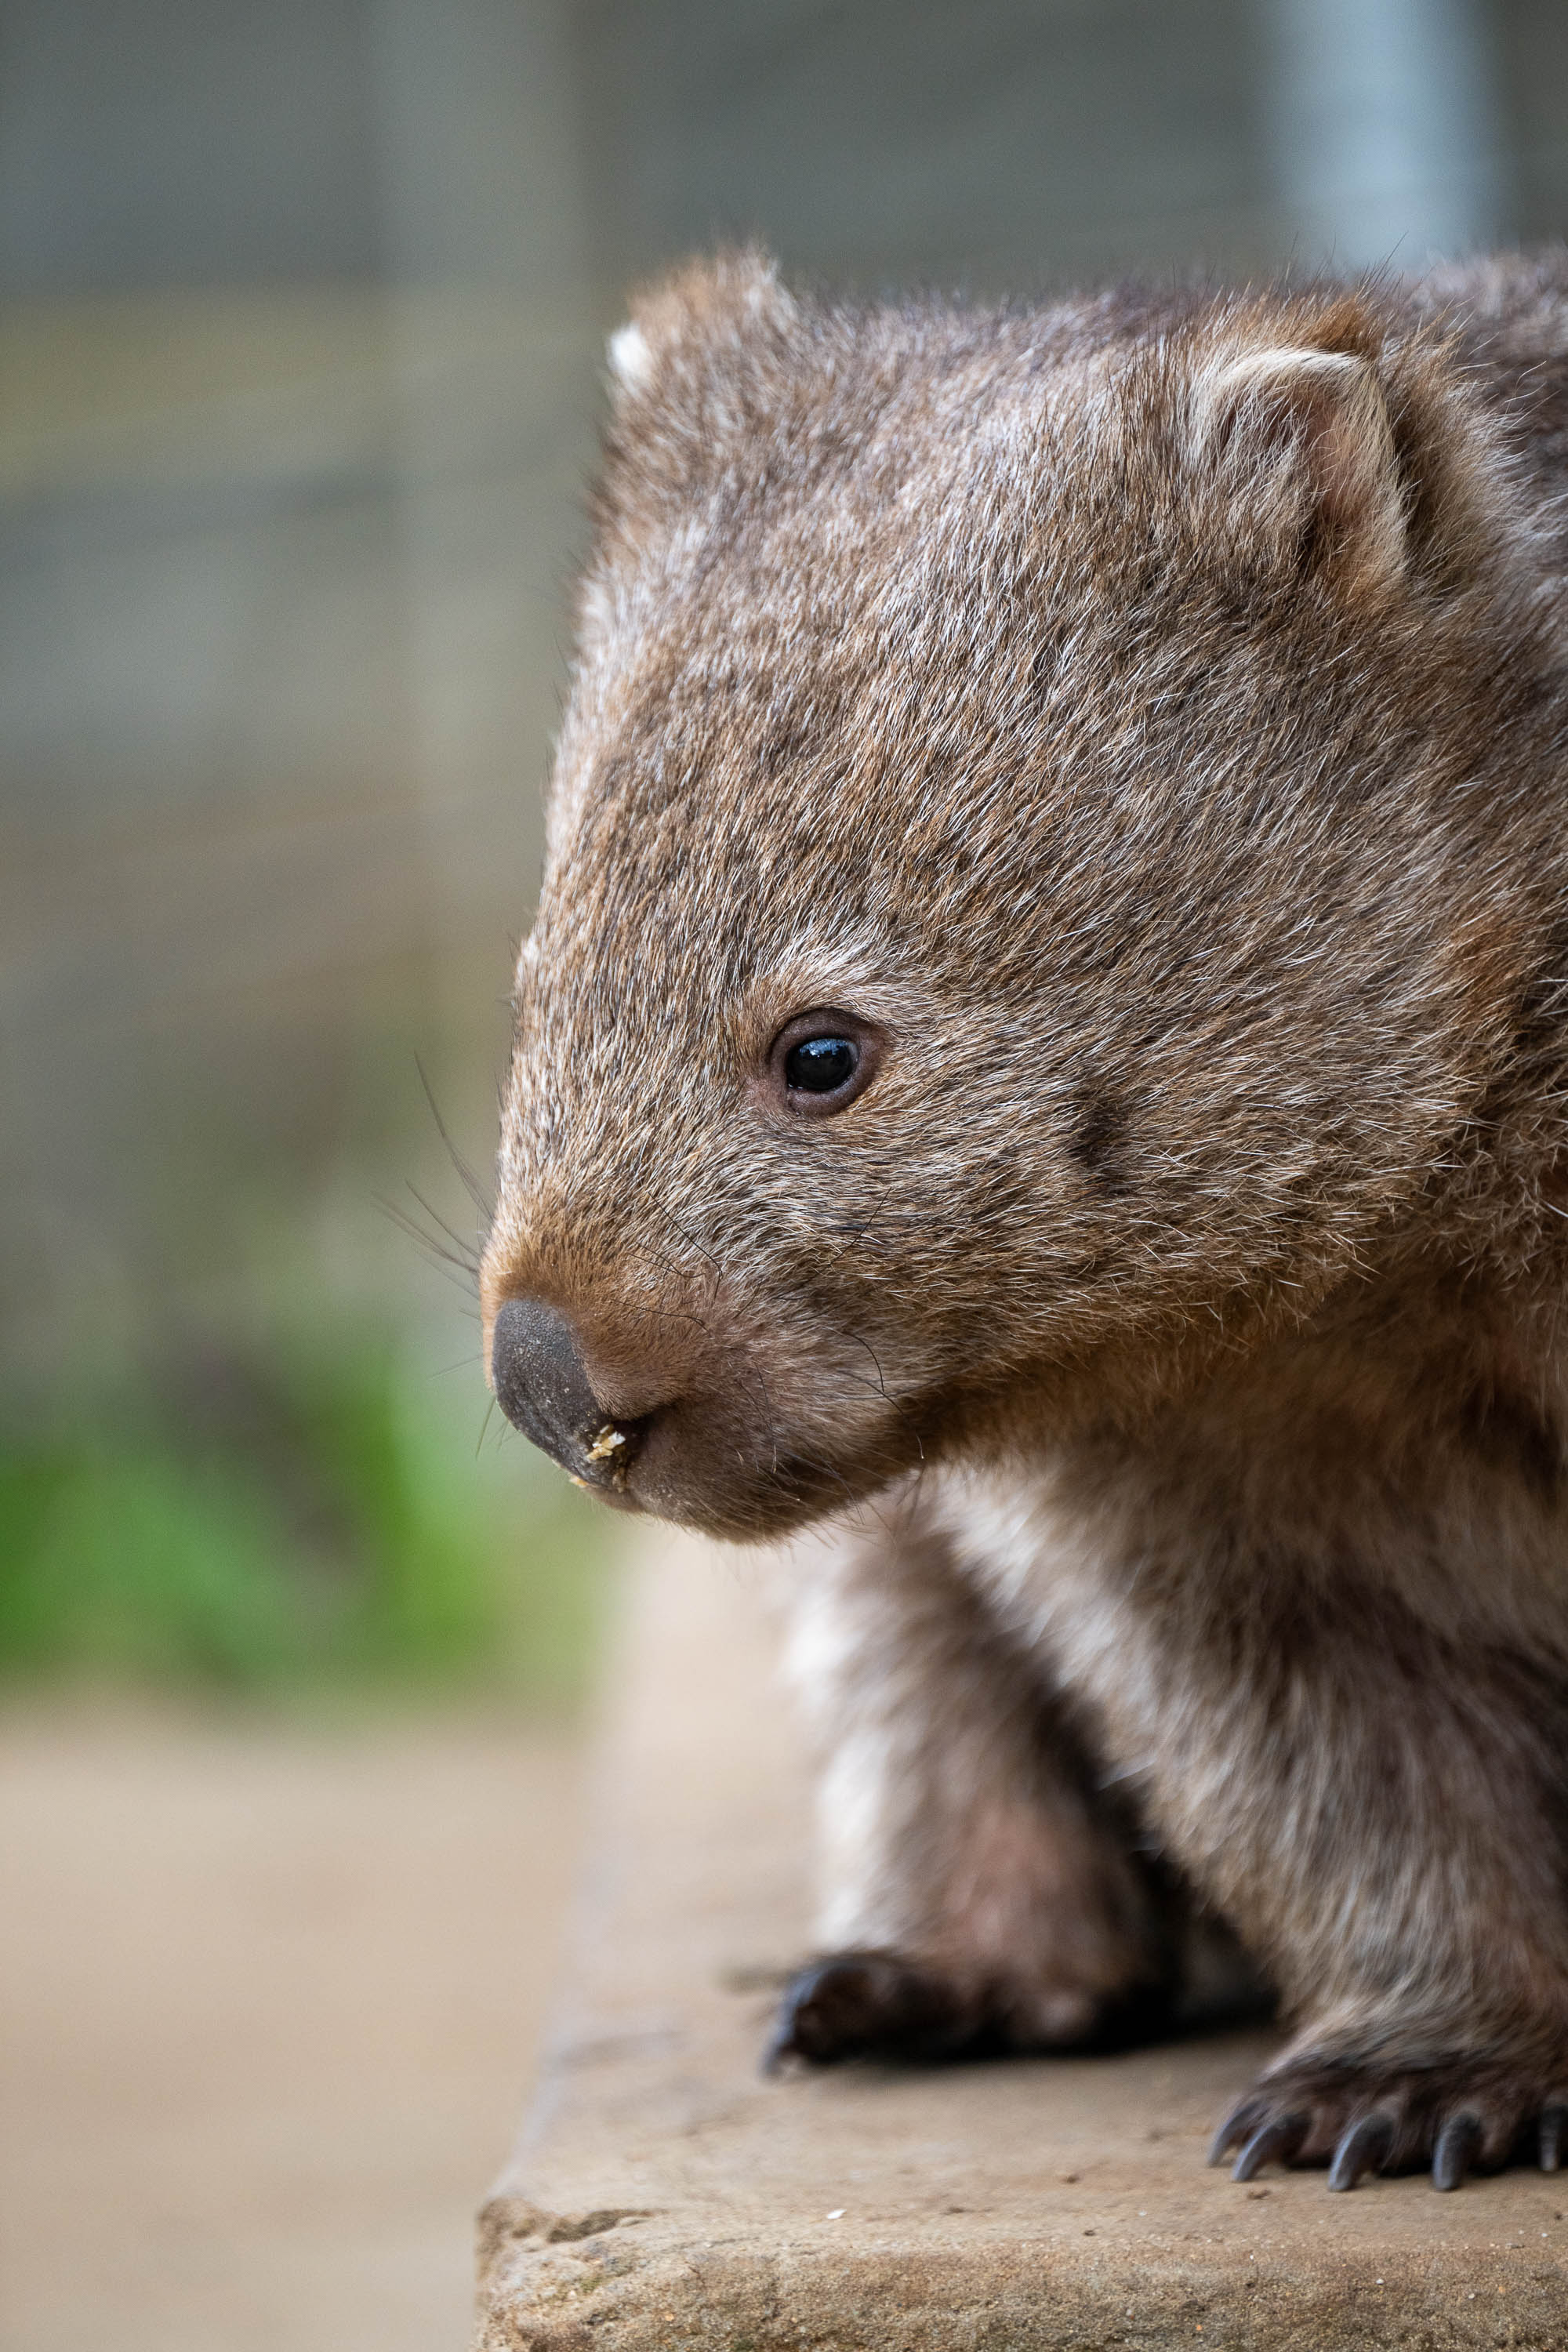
point(664, 2195)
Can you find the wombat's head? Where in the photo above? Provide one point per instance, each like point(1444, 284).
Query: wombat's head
point(1013, 897)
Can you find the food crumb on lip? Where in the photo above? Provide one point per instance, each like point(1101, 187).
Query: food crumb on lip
point(607, 1443)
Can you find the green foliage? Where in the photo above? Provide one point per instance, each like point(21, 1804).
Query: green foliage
point(314, 1514)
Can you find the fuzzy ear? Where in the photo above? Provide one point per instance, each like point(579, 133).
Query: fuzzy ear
point(704, 313)
point(1298, 445)
point(701, 366)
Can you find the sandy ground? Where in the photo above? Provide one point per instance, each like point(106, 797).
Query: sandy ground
point(271, 1999)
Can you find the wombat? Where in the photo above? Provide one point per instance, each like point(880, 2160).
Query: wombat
point(1047, 1020)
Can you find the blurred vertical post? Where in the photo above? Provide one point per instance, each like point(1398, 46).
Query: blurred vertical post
point(494, 350)
point(1383, 118)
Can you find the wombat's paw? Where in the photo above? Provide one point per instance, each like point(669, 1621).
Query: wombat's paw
point(876, 2005)
point(868, 2005)
point(1466, 2116)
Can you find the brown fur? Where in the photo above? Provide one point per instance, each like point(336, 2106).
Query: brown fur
point(1145, 717)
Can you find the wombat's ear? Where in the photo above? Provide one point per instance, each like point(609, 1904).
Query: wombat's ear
point(701, 312)
point(1296, 446)
point(705, 313)
point(698, 363)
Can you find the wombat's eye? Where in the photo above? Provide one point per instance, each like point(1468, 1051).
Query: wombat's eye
point(820, 1065)
point(822, 1062)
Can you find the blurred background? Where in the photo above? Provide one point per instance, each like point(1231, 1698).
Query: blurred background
point(302, 310)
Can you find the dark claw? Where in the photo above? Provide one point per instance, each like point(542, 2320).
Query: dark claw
point(1362, 2150)
point(865, 2004)
point(777, 2047)
point(1279, 2139)
point(1553, 2125)
point(825, 2013)
point(1457, 2143)
point(1240, 2122)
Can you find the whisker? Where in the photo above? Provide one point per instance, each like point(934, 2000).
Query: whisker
point(469, 1181)
point(754, 1369)
point(450, 1248)
point(878, 1390)
point(459, 1271)
point(857, 1502)
point(470, 1257)
point(697, 1246)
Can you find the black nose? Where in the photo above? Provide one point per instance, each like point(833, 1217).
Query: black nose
point(543, 1389)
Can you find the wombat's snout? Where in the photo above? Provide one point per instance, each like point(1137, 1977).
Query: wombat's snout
point(543, 1387)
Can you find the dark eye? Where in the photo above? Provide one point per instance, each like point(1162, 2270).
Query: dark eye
point(821, 1062)
point(820, 1065)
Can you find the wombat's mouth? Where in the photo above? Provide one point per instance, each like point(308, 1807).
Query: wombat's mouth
point(704, 1463)
point(603, 1465)
point(715, 1451)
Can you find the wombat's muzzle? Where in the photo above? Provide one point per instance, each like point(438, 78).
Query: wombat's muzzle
point(543, 1389)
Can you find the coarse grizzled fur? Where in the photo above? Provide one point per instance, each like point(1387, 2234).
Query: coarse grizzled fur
point(1139, 727)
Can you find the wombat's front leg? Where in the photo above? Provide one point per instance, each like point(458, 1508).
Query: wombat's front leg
point(978, 1889)
point(1391, 1815)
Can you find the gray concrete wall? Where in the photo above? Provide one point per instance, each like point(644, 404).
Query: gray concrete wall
point(177, 142)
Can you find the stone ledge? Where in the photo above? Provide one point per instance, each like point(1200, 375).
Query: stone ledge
point(664, 2195)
